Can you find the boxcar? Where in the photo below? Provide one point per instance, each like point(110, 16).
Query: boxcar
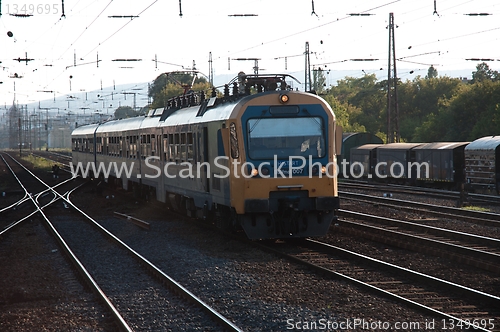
point(393, 160)
point(445, 163)
point(482, 167)
point(362, 161)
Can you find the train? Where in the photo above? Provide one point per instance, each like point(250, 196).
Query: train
point(260, 157)
point(468, 166)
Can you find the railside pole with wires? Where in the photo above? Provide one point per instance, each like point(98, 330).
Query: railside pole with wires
point(393, 134)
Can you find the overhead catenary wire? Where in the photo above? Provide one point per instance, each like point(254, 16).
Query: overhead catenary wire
point(323, 58)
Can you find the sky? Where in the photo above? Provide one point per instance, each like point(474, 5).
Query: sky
point(80, 52)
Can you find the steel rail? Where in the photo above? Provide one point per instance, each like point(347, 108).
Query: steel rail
point(423, 228)
point(491, 219)
point(472, 256)
point(386, 293)
point(122, 325)
point(220, 319)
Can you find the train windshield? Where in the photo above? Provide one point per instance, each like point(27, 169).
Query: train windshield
point(284, 137)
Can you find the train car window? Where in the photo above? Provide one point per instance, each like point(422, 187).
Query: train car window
point(165, 146)
point(171, 146)
point(285, 137)
point(189, 142)
point(183, 152)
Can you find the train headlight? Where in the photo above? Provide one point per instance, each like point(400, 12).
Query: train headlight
point(284, 98)
point(251, 171)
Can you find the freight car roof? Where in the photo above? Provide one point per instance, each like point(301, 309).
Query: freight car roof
point(367, 147)
point(484, 143)
point(399, 146)
point(441, 146)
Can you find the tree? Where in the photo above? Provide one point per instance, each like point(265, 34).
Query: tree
point(484, 73)
point(342, 113)
point(421, 97)
point(123, 112)
point(432, 72)
point(319, 81)
point(366, 95)
point(168, 85)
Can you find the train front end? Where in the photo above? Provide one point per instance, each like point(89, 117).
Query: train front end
point(283, 150)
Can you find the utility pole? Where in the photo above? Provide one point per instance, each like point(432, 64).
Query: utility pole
point(256, 63)
point(210, 70)
point(393, 134)
point(307, 74)
point(130, 93)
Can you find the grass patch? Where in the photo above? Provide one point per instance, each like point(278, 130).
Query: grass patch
point(61, 150)
point(476, 208)
point(40, 163)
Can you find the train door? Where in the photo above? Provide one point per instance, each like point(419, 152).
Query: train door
point(202, 146)
point(497, 168)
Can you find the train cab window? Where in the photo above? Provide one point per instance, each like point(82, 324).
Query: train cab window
point(285, 137)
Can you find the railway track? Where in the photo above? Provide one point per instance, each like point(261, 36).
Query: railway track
point(478, 251)
point(137, 271)
point(455, 305)
point(476, 198)
point(448, 321)
point(477, 217)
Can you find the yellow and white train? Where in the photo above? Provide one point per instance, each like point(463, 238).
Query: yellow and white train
point(265, 162)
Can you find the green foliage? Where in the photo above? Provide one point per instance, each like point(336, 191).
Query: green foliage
point(364, 99)
point(123, 112)
point(484, 73)
point(432, 72)
point(168, 85)
point(39, 162)
point(342, 113)
point(476, 208)
point(319, 81)
point(430, 109)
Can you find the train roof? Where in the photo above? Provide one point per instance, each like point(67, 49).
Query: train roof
point(367, 147)
point(85, 130)
point(121, 125)
point(362, 137)
point(210, 110)
point(441, 146)
point(399, 146)
point(484, 143)
point(189, 115)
